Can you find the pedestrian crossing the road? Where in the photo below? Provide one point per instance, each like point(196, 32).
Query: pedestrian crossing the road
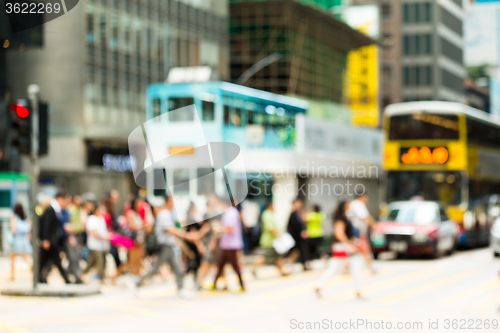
point(436, 286)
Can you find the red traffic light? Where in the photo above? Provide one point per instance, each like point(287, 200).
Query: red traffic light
point(19, 109)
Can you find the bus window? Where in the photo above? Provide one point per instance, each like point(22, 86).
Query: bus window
point(159, 179)
point(250, 117)
point(181, 181)
point(207, 111)
point(226, 115)
point(444, 187)
point(423, 126)
point(177, 103)
point(232, 117)
point(237, 117)
point(482, 133)
point(258, 118)
point(206, 181)
point(156, 109)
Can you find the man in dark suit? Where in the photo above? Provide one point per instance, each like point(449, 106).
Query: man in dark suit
point(50, 235)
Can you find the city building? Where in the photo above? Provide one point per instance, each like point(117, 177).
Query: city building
point(422, 57)
point(310, 44)
point(93, 69)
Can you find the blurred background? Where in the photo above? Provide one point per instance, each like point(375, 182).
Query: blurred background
point(327, 99)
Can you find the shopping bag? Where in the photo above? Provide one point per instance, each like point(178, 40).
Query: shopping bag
point(284, 243)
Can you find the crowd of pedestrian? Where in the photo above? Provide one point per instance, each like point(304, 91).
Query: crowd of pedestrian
point(143, 240)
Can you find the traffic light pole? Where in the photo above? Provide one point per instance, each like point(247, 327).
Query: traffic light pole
point(33, 94)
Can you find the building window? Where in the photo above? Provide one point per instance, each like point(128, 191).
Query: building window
point(416, 12)
point(386, 11)
point(387, 73)
point(428, 12)
point(406, 45)
point(116, 97)
point(417, 44)
point(406, 13)
point(102, 30)
point(104, 94)
point(90, 28)
point(428, 44)
point(90, 93)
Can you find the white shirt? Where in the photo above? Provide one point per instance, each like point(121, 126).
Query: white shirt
point(165, 221)
point(97, 224)
point(55, 205)
point(358, 213)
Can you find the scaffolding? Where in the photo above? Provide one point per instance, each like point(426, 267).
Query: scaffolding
point(312, 45)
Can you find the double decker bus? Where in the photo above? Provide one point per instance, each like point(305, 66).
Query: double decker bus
point(445, 152)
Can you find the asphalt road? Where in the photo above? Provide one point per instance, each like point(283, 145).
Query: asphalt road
point(458, 293)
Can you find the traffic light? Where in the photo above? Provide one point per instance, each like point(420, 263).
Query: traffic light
point(43, 129)
point(21, 123)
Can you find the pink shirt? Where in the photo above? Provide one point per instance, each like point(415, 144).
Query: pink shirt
point(231, 240)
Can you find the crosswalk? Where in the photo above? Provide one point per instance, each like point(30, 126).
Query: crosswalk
point(431, 285)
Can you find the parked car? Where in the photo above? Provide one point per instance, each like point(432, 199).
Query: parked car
point(414, 227)
point(495, 237)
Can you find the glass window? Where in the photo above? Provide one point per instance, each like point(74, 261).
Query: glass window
point(428, 12)
point(386, 11)
point(429, 76)
point(250, 115)
point(417, 44)
point(423, 126)
point(387, 73)
point(207, 111)
point(206, 181)
point(159, 178)
point(428, 44)
point(90, 28)
point(177, 103)
point(236, 119)
point(226, 115)
point(116, 97)
point(406, 13)
point(406, 76)
point(103, 29)
point(444, 187)
point(406, 45)
point(419, 215)
point(416, 12)
point(156, 109)
point(90, 93)
point(181, 181)
point(482, 133)
point(104, 94)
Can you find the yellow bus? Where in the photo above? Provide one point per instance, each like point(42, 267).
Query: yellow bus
point(445, 152)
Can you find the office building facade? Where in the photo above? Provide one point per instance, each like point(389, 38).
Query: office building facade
point(94, 68)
